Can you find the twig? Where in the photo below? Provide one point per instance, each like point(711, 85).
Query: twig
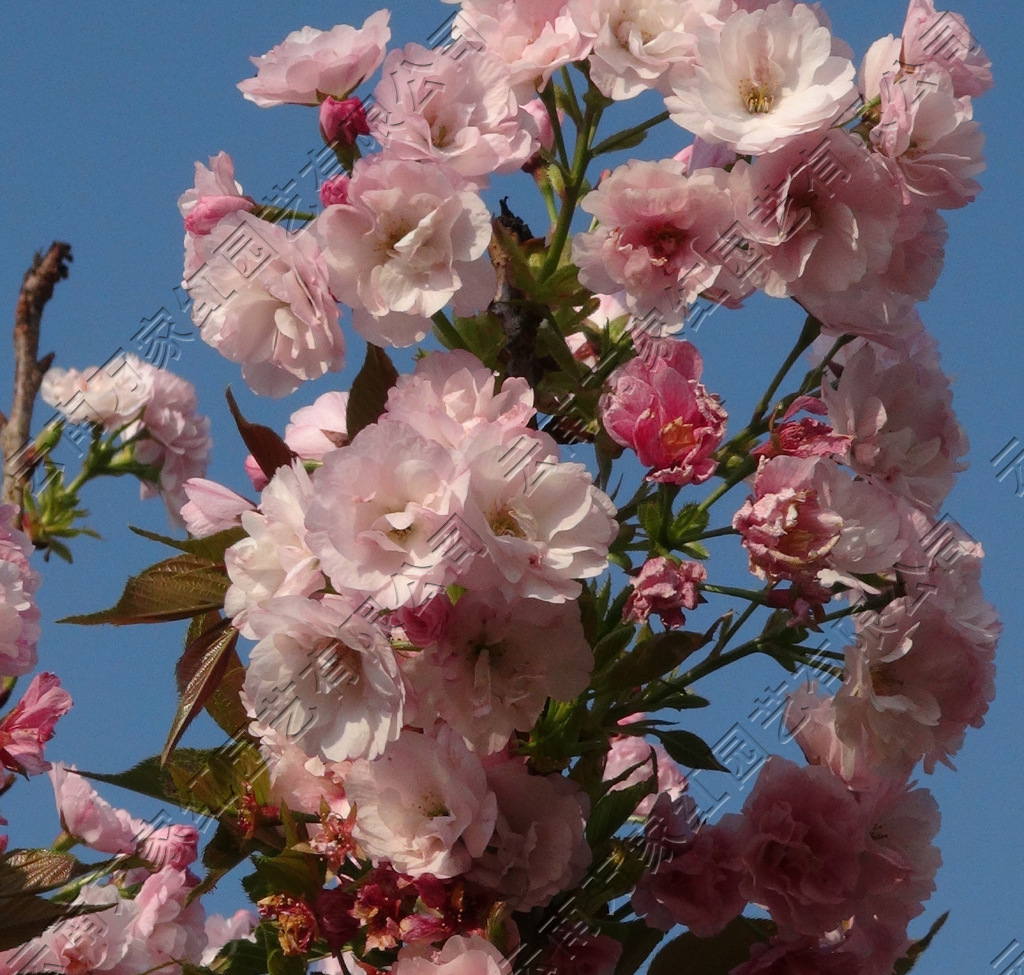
point(36, 290)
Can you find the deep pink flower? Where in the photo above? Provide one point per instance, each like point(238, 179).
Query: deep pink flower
point(341, 121)
point(662, 412)
point(25, 730)
point(665, 587)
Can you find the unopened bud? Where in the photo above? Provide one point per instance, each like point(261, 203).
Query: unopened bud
point(342, 121)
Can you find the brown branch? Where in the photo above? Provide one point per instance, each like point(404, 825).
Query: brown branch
point(36, 290)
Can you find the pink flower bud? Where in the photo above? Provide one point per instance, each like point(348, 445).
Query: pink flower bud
point(341, 121)
point(210, 210)
point(25, 730)
point(335, 190)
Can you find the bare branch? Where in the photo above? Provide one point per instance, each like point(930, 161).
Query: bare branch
point(36, 290)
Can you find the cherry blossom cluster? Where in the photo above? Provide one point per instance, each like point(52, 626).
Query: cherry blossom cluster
point(446, 707)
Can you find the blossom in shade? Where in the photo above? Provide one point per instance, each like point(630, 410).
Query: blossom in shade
point(311, 63)
point(216, 194)
point(591, 955)
point(411, 237)
point(261, 299)
point(789, 954)
point(112, 395)
point(26, 729)
point(461, 112)
point(663, 412)
point(763, 77)
point(665, 587)
point(424, 805)
point(458, 956)
point(538, 848)
point(19, 614)
point(633, 752)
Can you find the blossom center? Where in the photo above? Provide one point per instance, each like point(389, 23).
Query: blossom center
point(677, 437)
point(504, 522)
point(757, 96)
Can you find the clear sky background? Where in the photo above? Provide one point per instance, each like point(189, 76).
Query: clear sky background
point(103, 111)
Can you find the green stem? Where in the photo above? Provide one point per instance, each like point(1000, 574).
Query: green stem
point(570, 90)
point(743, 470)
point(277, 214)
point(757, 598)
point(810, 331)
point(616, 141)
point(547, 97)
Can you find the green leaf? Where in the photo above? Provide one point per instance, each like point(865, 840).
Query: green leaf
point(199, 672)
point(37, 871)
point(267, 448)
point(649, 514)
point(688, 749)
point(212, 547)
point(175, 589)
point(690, 955)
point(914, 952)
point(151, 778)
point(638, 941)
point(369, 393)
point(290, 872)
point(655, 657)
point(609, 647)
point(614, 808)
point(25, 917)
point(691, 520)
point(221, 855)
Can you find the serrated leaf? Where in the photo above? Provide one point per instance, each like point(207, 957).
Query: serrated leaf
point(690, 955)
point(291, 872)
point(37, 871)
point(212, 547)
point(175, 589)
point(150, 778)
point(199, 672)
point(610, 646)
point(688, 749)
point(24, 918)
point(369, 393)
point(649, 515)
point(266, 446)
point(691, 519)
point(243, 957)
point(655, 657)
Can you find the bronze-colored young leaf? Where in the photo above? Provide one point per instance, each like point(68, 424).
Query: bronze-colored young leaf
point(37, 871)
point(199, 672)
point(369, 393)
point(175, 589)
point(655, 657)
point(266, 446)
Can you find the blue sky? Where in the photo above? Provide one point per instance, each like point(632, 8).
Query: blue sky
point(103, 115)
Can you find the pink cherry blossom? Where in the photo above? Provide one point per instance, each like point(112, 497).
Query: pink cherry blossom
point(461, 112)
point(636, 43)
point(112, 395)
point(342, 120)
point(274, 559)
point(216, 194)
point(656, 237)
point(543, 522)
point(534, 37)
point(346, 696)
point(763, 77)
point(176, 440)
point(538, 848)
point(92, 819)
point(665, 414)
point(19, 614)
point(322, 426)
point(821, 209)
point(458, 956)
point(220, 930)
point(664, 587)
point(411, 237)
point(628, 751)
point(900, 416)
point(261, 299)
point(930, 137)
point(25, 730)
point(377, 508)
point(310, 63)
point(942, 40)
point(451, 396)
point(424, 805)
point(496, 664)
point(211, 507)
